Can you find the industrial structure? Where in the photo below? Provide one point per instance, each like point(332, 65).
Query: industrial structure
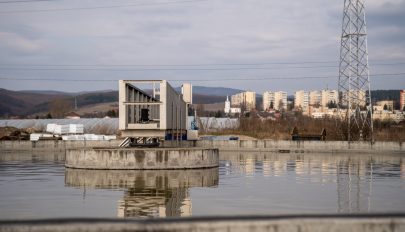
point(354, 81)
point(147, 118)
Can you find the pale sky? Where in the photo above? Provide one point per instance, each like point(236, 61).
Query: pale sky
point(159, 39)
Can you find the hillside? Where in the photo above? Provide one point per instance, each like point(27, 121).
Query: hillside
point(213, 91)
point(19, 103)
point(31, 102)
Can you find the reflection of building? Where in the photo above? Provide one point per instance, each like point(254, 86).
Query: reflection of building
point(160, 193)
point(245, 100)
point(250, 166)
point(155, 203)
point(351, 176)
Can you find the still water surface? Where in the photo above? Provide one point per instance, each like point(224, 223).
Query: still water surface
point(38, 186)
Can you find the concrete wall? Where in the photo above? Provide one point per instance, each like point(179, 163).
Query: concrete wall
point(226, 145)
point(53, 145)
point(350, 223)
point(141, 158)
point(292, 146)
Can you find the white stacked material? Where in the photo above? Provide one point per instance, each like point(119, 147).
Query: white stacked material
point(61, 129)
point(50, 128)
point(110, 137)
point(109, 125)
point(76, 128)
point(93, 137)
point(36, 137)
point(73, 137)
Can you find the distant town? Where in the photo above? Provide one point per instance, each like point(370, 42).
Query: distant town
point(315, 104)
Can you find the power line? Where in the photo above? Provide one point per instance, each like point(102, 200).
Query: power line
point(146, 65)
point(101, 7)
point(24, 1)
point(380, 75)
point(191, 65)
point(162, 68)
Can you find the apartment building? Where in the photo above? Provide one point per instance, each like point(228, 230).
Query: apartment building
point(275, 100)
point(246, 100)
point(315, 98)
point(302, 101)
point(329, 96)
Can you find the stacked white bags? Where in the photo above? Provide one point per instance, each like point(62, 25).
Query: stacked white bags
point(72, 132)
point(65, 129)
point(50, 128)
point(89, 137)
point(76, 129)
point(73, 137)
point(36, 137)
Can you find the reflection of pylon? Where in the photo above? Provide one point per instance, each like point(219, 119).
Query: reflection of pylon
point(354, 83)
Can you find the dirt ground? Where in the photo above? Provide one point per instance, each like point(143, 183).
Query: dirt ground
point(12, 133)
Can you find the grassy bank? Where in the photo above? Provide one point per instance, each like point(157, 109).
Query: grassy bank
point(281, 129)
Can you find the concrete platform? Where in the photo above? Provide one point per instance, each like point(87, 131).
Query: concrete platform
point(287, 223)
point(141, 158)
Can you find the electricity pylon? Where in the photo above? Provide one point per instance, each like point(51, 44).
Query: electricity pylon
point(354, 108)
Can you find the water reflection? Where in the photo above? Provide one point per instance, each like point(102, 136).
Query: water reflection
point(352, 174)
point(149, 193)
point(244, 184)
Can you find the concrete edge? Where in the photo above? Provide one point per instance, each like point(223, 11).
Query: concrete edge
point(141, 169)
point(297, 151)
point(208, 218)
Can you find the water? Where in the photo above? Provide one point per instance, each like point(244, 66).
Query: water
point(38, 186)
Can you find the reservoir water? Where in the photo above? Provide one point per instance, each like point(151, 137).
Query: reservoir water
point(39, 186)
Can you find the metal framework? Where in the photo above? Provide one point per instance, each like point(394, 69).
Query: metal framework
point(146, 118)
point(355, 108)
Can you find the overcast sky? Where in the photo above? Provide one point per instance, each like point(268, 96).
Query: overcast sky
point(160, 39)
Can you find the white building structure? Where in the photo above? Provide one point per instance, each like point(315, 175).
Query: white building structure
point(315, 97)
point(354, 94)
point(280, 100)
point(268, 100)
point(160, 115)
point(227, 108)
point(329, 96)
point(274, 100)
point(246, 100)
point(230, 110)
point(302, 101)
point(402, 100)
